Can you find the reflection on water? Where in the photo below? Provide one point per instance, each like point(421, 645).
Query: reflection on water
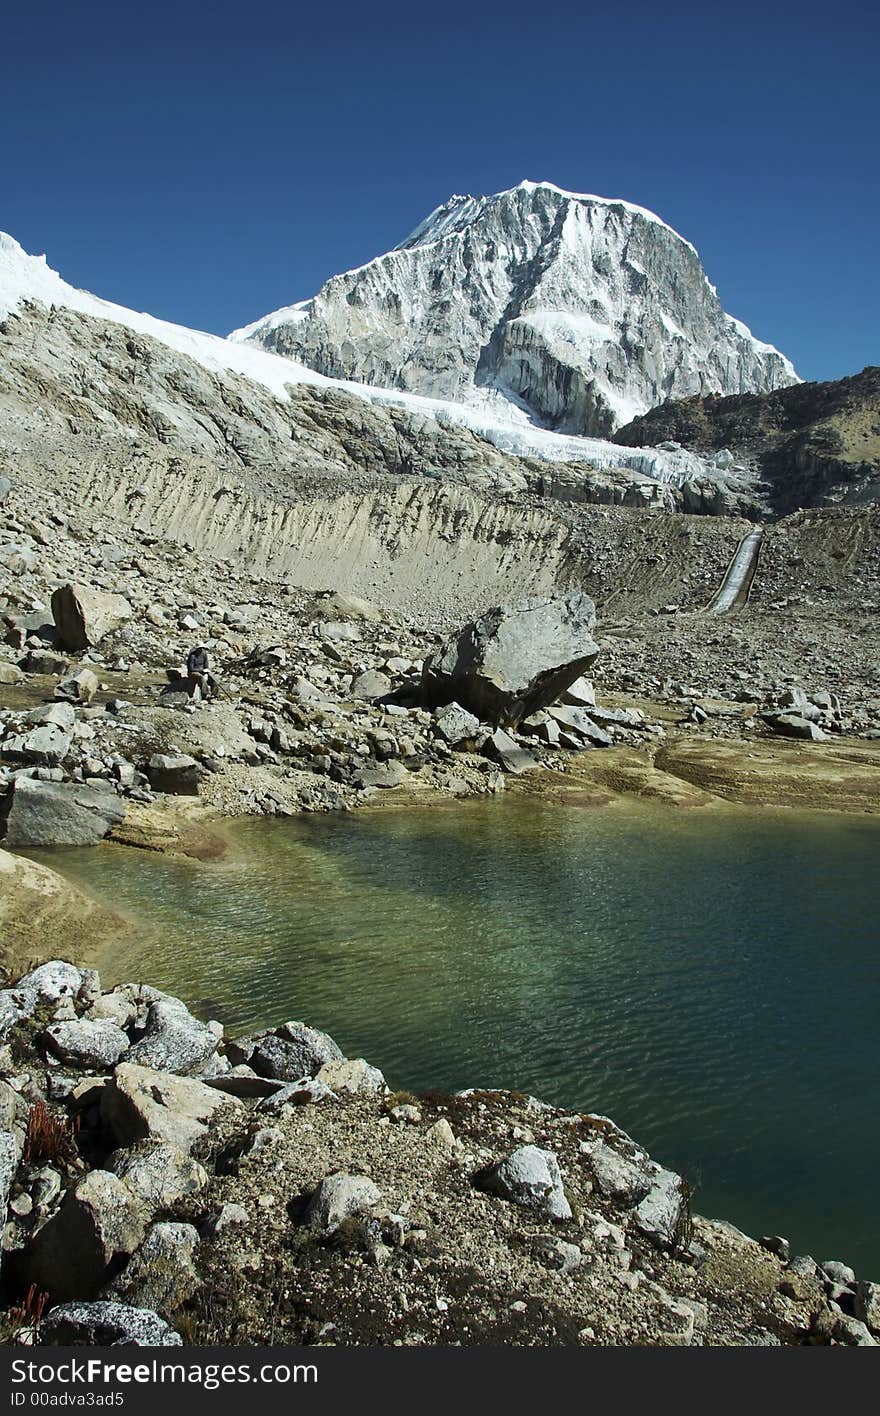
point(710, 980)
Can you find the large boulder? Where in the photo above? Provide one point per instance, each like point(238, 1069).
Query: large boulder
point(37, 813)
point(99, 1221)
point(173, 1040)
point(106, 1324)
point(514, 660)
point(83, 616)
point(287, 1053)
point(139, 1104)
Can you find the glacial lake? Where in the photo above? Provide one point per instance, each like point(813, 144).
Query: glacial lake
point(708, 978)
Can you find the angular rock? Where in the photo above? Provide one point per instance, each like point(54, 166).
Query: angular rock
point(84, 1042)
point(57, 814)
point(529, 1177)
point(173, 1041)
point(352, 1075)
point(139, 1103)
point(337, 1198)
point(106, 1324)
point(158, 1172)
point(515, 659)
point(83, 615)
point(286, 1054)
point(99, 1220)
point(178, 775)
point(455, 724)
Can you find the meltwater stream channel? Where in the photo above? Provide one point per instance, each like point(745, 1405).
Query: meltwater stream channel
point(709, 979)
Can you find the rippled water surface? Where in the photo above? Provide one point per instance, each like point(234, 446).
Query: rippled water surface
point(710, 980)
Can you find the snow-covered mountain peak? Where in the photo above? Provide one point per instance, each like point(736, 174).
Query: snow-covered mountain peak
point(460, 211)
point(579, 311)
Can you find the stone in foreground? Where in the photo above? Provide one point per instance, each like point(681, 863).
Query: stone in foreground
point(139, 1103)
point(106, 1325)
point(515, 659)
point(529, 1177)
point(100, 1219)
point(57, 814)
point(337, 1198)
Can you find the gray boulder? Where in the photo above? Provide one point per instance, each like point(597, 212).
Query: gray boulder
point(57, 813)
point(529, 1177)
point(515, 659)
point(45, 746)
point(99, 1220)
point(285, 1054)
point(106, 1324)
point(303, 1092)
point(455, 724)
point(337, 1198)
point(173, 1041)
point(158, 1172)
point(84, 1042)
point(178, 774)
point(83, 615)
point(138, 1103)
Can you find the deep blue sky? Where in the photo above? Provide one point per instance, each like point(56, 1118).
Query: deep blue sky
point(210, 162)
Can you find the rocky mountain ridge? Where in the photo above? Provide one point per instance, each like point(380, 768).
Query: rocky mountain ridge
point(816, 444)
point(571, 311)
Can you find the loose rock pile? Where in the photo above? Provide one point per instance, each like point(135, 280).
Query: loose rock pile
point(162, 1183)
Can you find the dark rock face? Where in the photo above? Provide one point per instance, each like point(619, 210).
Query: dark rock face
point(37, 813)
point(514, 660)
point(816, 444)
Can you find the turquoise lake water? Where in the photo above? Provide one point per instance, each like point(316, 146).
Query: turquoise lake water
point(709, 979)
